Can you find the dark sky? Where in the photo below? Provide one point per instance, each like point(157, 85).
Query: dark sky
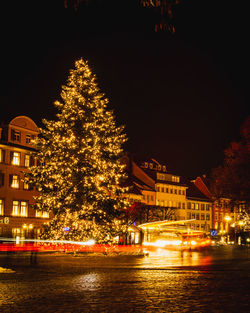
point(182, 97)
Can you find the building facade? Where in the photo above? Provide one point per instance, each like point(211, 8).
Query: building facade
point(167, 196)
point(18, 217)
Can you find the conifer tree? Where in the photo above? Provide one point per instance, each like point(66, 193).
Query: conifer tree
point(79, 172)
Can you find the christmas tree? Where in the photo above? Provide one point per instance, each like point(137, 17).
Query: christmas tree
point(78, 173)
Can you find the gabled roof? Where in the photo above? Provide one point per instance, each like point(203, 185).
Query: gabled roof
point(194, 193)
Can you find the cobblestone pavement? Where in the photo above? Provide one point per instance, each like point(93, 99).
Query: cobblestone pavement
point(214, 281)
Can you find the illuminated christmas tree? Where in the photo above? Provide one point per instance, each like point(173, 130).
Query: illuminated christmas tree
point(79, 172)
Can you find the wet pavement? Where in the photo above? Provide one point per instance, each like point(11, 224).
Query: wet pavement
point(216, 280)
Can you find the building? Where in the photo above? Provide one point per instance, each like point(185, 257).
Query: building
point(167, 196)
point(199, 209)
point(18, 217)
point(222, 213)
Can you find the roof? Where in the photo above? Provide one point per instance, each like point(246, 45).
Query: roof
point(194, 193)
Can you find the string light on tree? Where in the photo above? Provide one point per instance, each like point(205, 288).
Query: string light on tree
point(80, 173)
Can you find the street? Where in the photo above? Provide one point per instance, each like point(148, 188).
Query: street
point(215, 280)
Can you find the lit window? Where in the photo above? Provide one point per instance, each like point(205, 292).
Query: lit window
point(15, 208)
point(38, 213)
point(26, 186)
point(16, 232)
point(196, 206)
point(24, 208)
point(192, 206)
point(45, 214)
point(15, 182)
point(27, 160)
point(16, 158)
point(1, 206)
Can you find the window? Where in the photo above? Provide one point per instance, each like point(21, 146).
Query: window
point(175, 191)
point(1, 206)
point(16, 232)
point(189, 215)
point(20, 208)
point(202, 206)
point(189, 205)
point(24, 208)
point(158, 188)
point(167, 190)
point(171, 190)
point(216, 216)
point(183, 206)
point(162, 189)
point(15, 158)
point(26, 186)
point(207, 207)
point(14, 181)
point(192, 206)
point(27, 160)
point(2, 155)
point(193, 215)
point(197, 216)
point(197, 226)
point(147, 198)
point(202, 217)
point(179, 205)
point(176, 179)
point(152, 198)
point(196, 206)
point(15, 208)
point(179, 192)
point(1, 179)
point(15, 135)
point(202, 226)
point(28, 138)
point(208, 217)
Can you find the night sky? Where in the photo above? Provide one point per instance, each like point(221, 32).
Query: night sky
point(181, 97)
